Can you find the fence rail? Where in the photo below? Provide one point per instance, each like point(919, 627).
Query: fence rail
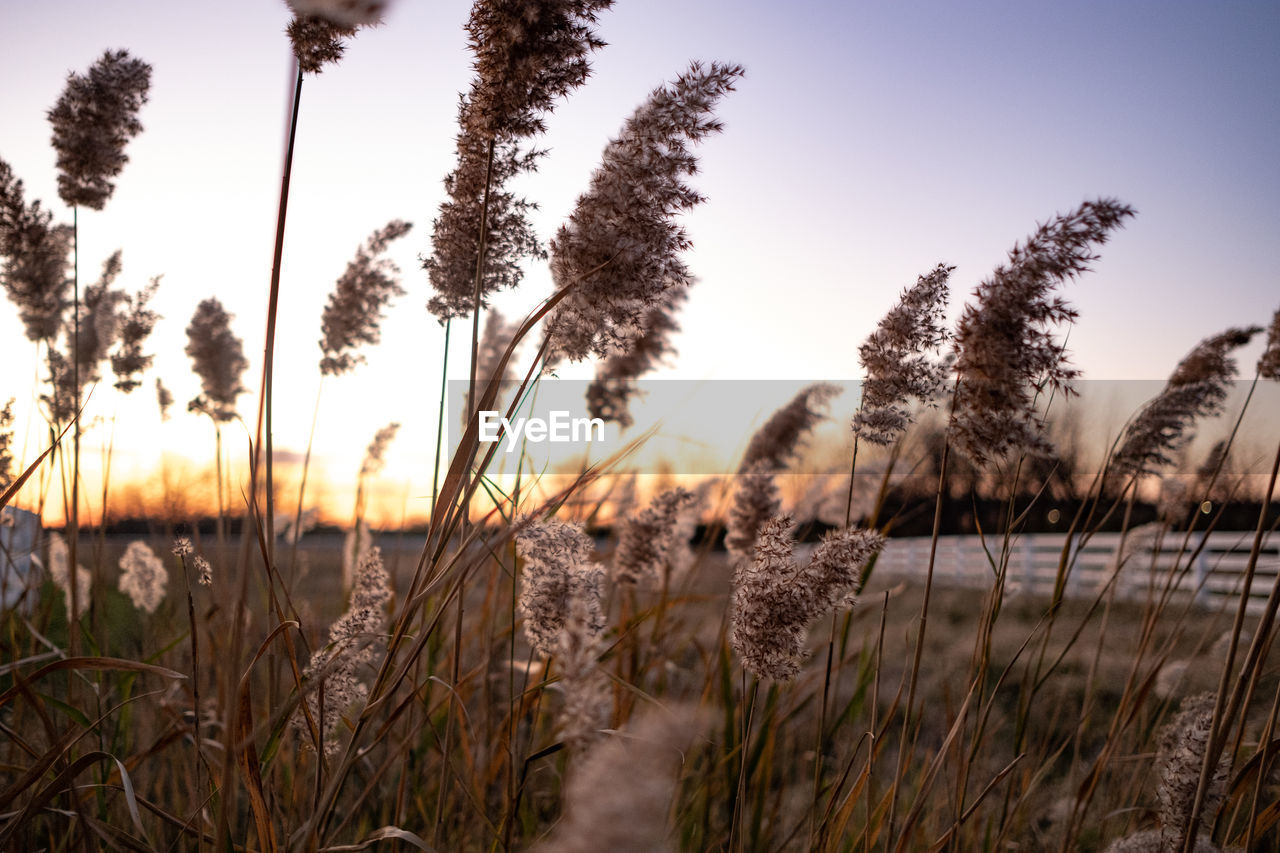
point(1209, 568)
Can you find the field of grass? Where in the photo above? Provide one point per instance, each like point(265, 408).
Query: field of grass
point(706, 672)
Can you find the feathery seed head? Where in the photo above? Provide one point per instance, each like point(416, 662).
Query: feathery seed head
point(205, 571)
point(61, 397)
point(497, 337)
point(621, 246)
point(34, 272)
point(1197, 389)
point(609, 394)
point(346, 13)
point(101, 316)
point(375, 455)
point(1005, 353)
point(528, 55)
point(620, 795)
point(143, 577)
point(557, 572)
point(99, 326)
point(901, 359)
point(498, 334)
point(355, 546)
point(755, 501)
point(164, 399)
point(648, 539)
point(60, 573)
point(775, 599)
point(217, 356)
point(182, 546)
point(352, 641)
point(588, 699)
point(455, 239)
point(317, 41)
point(96, 115)
point(6, 439)
point(775, 444)
point(136, 323)
point(1179, 760)
point(1269, 364)
point(355, 308)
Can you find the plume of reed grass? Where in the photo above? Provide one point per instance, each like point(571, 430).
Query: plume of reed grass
point(479, 208)
point(775, 599)
point(359, 539)
point(6, 444)
point(772, 448)
point(498, 335)
point(60, 574)
point(35, 271)
point(317, 42)
point(93, 120)
point(609, 394)
point(349, 13)
point(136, 323)
point(164, 399)
point(351, 650)
point(527, 57)
point(755, 501)
point(355, 308)
point(143, 577)
point(623, 227)
point(1006, 354)
point(557, 571)
point(776, 443)
point(98, 321)
point(619, 796)
point(560, 600)
point(355, 545)
point(901, 360)
point(1269, 362)
point(1196, 389)
point(375, 454)
point(1183, 744)
point(204, 571)
point(217, 357)
point(649, 538)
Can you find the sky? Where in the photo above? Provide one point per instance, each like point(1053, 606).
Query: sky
point(866, 144)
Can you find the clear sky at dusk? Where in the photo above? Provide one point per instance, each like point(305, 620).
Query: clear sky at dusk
point(867, 143)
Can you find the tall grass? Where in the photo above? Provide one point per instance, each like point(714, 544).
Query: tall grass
point(521, 686)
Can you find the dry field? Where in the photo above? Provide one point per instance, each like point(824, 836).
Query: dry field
point(707, 672)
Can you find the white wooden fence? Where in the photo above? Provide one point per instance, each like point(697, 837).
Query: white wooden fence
point(1212, 576)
